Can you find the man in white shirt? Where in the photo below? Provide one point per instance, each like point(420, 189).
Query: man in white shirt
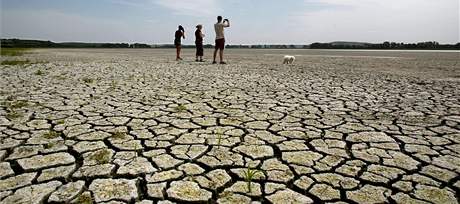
point(220, 38)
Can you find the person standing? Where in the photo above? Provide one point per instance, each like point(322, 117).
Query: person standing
point(180, 33)
point(199, 43)
point(220, 38)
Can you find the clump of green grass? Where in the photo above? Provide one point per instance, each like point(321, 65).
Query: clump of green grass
point(13, 51)
point(119, 135)
point(88, 80)
point(49, 145)
point(11, 105)
point(19, 104)
point(60, 77)
point(11, 98)
point(39, 73)
point(25, 150)
point(51, 135)
point(101, 156)
point(84, 198)
point(219, 139)
point(13, 115)
point(15, 62)
point(180, 108)
point(60, 122)
point(249, 175)
point(226, 194)
point(113, 84)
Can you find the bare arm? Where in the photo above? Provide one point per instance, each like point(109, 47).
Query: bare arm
point(183, 34)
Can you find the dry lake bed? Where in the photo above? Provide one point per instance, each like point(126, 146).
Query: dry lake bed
point(135, 126)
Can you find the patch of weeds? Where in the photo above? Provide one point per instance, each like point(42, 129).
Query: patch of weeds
point(95, 97)
point(226, 194)
point(15, 62)
point(39, 73)
point(119, 135)
point(13, 51)
point(192, 178)
point(180, 108)
point(60, 122)
point(51, 135)
point(113, 85)
point(88, 80)
point(49, 145)
point(39, 105)
point(60, 77)
point(101, 156)
point(84, 198)
point(25, 150)
point(219, 139)
point(13, 115)
point(249, 176)
point(18, 104)
point(11, 98)
point(5, 104)
point(220, 105)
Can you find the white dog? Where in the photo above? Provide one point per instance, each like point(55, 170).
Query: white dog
point(288, 59)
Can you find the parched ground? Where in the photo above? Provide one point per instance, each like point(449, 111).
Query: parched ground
point(134, 126)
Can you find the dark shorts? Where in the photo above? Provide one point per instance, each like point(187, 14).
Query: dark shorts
point(220, 44)
point(199, 49)
point(177, 42)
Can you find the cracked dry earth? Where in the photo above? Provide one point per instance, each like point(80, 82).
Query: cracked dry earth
point(134, 126)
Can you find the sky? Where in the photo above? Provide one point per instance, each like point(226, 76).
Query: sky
point(252, 21)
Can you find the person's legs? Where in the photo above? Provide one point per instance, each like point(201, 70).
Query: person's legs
point(178, 48)
point(220, 44)
point(199, 52)
point(221, 55)
point(215, 55)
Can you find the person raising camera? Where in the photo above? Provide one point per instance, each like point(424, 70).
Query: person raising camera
point(220, 38)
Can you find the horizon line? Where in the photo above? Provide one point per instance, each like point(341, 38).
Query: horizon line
point(295, 44)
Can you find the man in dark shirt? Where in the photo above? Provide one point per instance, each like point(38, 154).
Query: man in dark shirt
point(180, 33)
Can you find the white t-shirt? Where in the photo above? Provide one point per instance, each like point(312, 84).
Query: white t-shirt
point(219, 28)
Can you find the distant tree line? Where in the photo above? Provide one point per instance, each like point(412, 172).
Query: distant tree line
point(269, 46)
point(183, 46)
point(386, 45)
point(16, 43)
point(20, 43)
